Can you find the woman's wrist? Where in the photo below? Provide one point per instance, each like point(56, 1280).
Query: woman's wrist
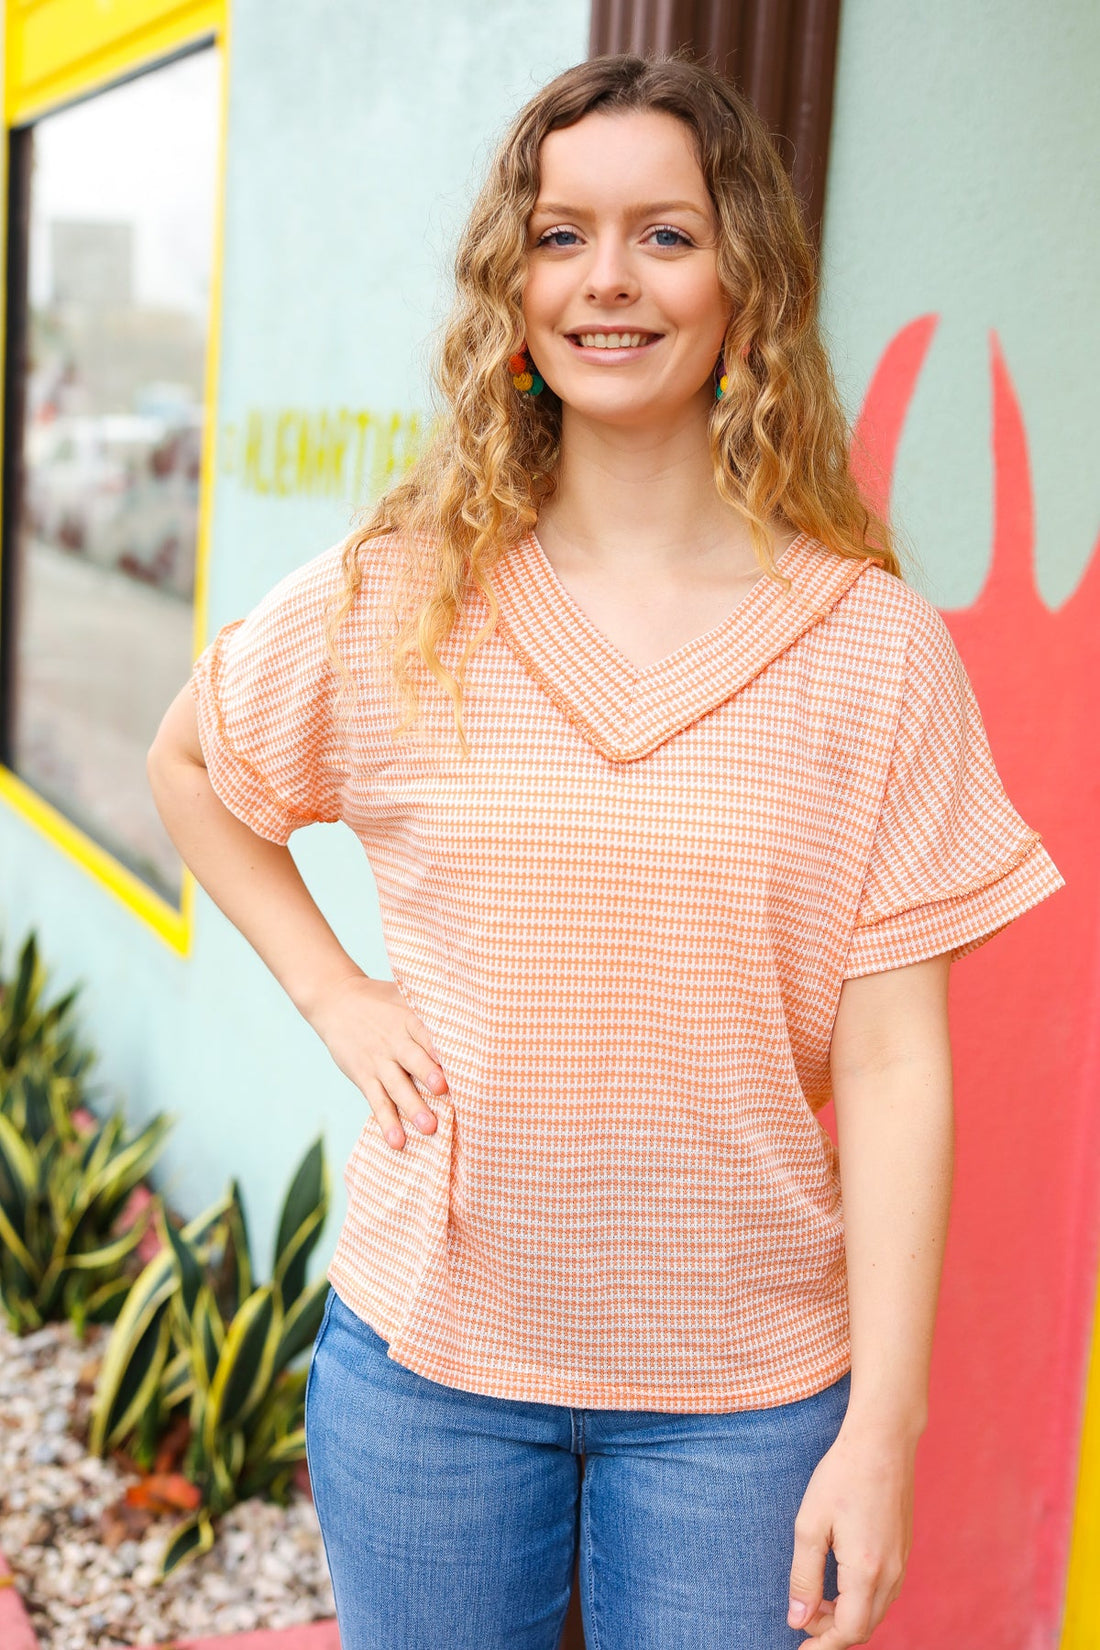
point(315, 987)
point(896, 1419)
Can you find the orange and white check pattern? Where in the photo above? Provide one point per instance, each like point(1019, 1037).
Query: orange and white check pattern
point(626, 920)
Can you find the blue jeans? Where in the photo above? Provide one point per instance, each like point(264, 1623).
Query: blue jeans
point(451, 1519)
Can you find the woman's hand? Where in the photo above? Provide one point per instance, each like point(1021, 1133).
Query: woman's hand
point(377, 1041)
point(859, 1502)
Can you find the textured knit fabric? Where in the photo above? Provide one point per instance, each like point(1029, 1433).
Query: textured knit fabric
point(625, 921)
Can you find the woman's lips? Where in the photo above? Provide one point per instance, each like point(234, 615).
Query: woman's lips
point(613, 346)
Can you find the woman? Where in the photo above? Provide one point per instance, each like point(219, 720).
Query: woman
point(679, 809)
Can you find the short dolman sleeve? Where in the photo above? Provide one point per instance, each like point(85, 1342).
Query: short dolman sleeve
point(952, 862)
point(265, 691)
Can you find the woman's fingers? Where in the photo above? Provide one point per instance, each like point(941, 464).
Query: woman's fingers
point(822, 1622)
point(412, 1061)
point(845, 1628)
point(379, 1043)
point(400, 1089)
point(393, 1099)
point(851, 1618)
point(385, 1112)
point(807, 1577)
point(422, 1057)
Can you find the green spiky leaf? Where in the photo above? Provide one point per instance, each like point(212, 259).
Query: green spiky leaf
point(303, 1216)
point(245, 1364)
point(194, 1536)
point(301, 1323)
point(306, 1193)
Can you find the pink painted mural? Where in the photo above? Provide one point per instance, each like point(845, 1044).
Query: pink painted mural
point(998, 1463)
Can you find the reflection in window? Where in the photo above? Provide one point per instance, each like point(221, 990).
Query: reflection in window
point(113, 201)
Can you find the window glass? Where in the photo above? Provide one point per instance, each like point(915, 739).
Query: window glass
point(110, 353)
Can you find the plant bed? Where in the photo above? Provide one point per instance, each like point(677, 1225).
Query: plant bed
point(85, 1564)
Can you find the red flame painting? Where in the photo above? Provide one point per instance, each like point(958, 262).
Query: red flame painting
point(997, 1466)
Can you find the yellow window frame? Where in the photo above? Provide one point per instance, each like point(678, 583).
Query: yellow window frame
point(54, 52)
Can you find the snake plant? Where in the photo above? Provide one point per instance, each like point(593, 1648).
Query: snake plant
point(65, 1178)
point(198, 1335)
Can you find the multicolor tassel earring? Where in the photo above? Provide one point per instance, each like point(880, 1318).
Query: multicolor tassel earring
point(524, 376)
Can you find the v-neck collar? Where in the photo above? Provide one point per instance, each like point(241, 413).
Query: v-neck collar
point(626, 712)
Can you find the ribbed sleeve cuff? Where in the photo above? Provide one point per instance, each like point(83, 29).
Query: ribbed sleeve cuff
point(234, 779)
point(959, 924)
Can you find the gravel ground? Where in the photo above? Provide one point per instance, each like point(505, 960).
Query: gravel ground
point(267, 1567)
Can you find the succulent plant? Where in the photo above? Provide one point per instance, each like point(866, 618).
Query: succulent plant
point(198, 1334)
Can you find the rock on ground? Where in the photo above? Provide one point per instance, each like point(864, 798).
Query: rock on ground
point(267, 1567)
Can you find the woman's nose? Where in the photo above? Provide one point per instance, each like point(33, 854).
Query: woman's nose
point(609, 276)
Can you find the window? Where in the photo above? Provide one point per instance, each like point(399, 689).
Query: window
point(111, 238)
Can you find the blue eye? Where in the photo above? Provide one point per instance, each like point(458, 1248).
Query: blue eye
point(563, 238)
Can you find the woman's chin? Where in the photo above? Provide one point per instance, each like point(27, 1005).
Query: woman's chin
point(631, 410)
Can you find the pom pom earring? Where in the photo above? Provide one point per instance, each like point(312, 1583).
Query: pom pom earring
point(721, 380)
point(524, 376)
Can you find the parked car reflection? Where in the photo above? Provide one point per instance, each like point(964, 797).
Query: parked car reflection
point(121, 489)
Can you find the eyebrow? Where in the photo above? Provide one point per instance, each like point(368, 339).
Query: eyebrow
point(557, 209)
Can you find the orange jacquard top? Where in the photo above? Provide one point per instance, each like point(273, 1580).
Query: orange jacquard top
point(625, 920)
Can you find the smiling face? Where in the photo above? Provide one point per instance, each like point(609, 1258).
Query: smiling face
point(623, 308)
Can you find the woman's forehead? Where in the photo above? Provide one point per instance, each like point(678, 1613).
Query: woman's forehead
point(643, 156)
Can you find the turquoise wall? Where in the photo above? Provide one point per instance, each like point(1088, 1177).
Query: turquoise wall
point(962, 182)
point(356, 136)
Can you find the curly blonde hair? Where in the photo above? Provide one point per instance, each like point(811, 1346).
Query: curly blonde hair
point(778, 437)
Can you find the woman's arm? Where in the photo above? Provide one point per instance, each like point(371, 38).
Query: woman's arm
point(255, 882)
point(893, 1097)
point(369, 1030)
point(892, 1092)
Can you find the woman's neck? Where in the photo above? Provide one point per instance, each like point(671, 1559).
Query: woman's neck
point(641, 500)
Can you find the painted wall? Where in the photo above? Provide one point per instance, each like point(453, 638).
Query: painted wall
point(961, 243)
point(356, 137)
point(962, 230)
